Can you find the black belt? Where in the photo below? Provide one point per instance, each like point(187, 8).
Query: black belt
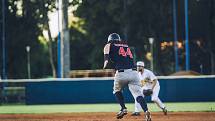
point(122, 70)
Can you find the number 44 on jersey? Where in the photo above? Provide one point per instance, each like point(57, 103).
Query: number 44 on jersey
point(125, 53)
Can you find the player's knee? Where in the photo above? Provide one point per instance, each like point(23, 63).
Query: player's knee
point(116, 91)
point(140, 99)
point(154, 99)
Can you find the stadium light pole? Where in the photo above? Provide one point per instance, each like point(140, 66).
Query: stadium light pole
point(187, 35)
point(28, 48)
point(4, 75)
point(151, 41)
point(65, 39)
point(175, 35)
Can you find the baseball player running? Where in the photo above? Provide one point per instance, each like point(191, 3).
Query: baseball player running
point(150, 86)
point(120, 54)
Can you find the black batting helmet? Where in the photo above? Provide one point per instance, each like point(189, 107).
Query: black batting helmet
point(114, 37)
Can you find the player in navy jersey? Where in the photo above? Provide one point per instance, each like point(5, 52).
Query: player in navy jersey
point(119, 53)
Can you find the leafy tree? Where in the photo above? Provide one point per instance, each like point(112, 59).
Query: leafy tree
point(135, 21)
point(23, 18)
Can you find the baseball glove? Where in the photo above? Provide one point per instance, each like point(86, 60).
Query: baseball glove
point(147, 92)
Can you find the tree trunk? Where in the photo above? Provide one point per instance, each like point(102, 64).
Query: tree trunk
point(51, 59)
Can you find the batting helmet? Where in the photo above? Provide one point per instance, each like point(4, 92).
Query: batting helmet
point(114, 37)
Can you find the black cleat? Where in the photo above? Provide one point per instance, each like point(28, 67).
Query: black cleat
point(148, 116)
point(164, 111)
point(135, 114)
point(121, 113)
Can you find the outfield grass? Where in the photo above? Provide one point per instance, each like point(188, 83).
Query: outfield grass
point(175, 107)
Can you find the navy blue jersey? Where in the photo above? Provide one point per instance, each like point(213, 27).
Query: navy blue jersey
point(121, 56)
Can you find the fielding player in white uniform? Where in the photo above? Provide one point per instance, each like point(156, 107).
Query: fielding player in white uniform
point(150, 86)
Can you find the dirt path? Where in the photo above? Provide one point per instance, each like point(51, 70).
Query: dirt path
point(176, 116)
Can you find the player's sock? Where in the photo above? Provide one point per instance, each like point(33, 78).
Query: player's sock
point(120, 99)
point(142, 102)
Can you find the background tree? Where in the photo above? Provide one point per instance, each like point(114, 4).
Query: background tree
point(136, 21)
point(94, 20)
point(23, 20)
point(124, 16)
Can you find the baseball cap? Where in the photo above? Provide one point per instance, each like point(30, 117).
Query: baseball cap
point(140, 63)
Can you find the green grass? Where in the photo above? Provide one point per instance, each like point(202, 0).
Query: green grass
point(13, 109)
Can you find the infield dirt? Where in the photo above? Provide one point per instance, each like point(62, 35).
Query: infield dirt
point(158, 116)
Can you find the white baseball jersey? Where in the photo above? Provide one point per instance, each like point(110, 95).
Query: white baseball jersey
point(147, 79)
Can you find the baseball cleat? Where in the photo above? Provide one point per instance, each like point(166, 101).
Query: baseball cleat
point(148, 116)
point(121, 113)
point(165, 111)
point(135, 114)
